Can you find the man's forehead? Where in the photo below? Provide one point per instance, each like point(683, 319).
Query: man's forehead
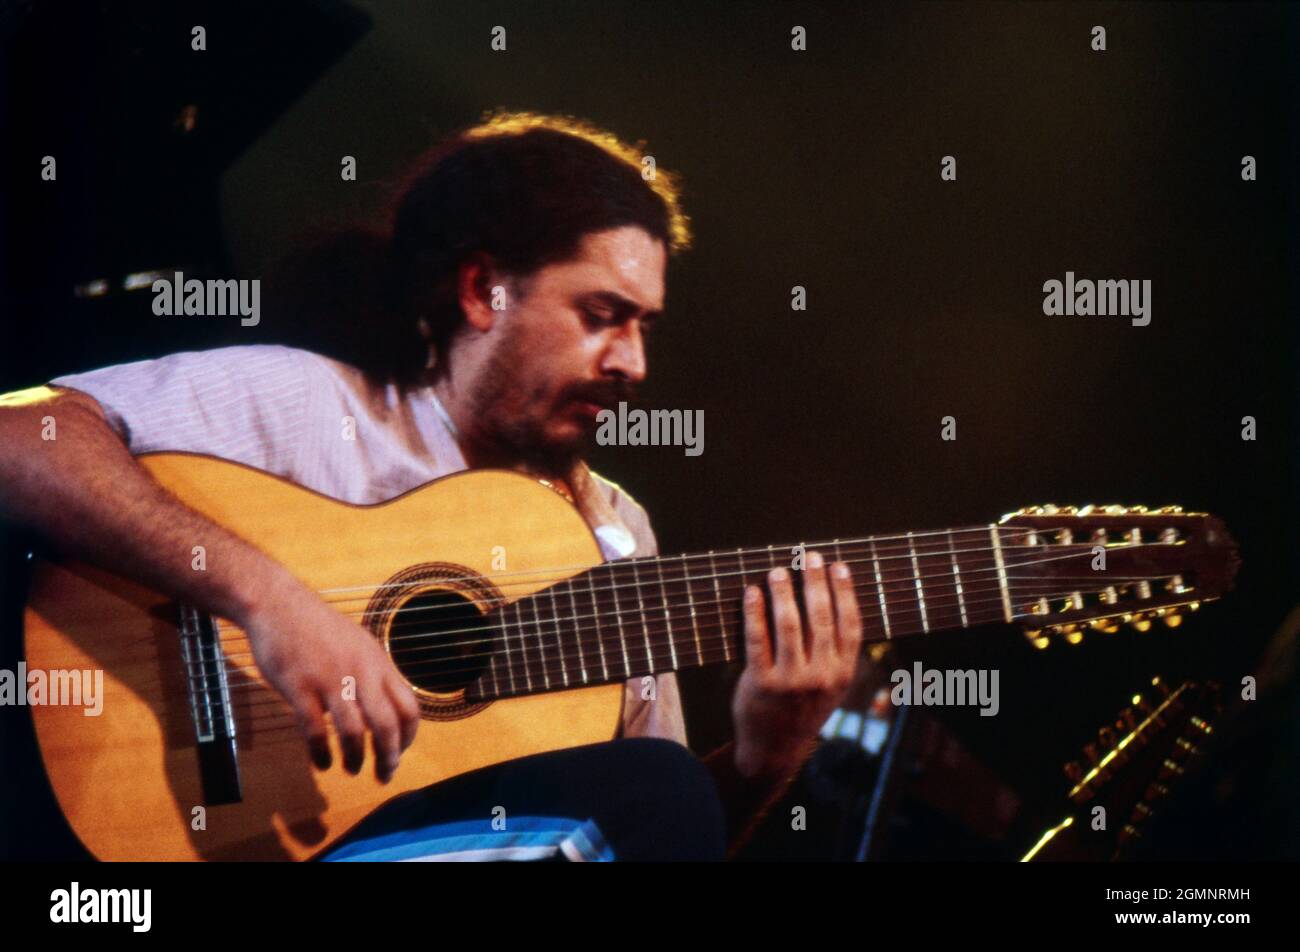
point(626, 261)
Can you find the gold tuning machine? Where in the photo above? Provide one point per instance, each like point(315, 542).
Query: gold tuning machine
point(1037, 637)
point(1070, 632)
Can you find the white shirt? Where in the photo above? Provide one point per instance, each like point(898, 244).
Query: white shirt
point(282, 410)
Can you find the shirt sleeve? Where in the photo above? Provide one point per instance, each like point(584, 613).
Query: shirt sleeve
point(245, 404)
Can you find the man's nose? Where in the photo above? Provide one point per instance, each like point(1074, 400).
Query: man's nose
point(625, 355)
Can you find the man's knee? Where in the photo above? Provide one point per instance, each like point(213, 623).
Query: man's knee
point(665, 789)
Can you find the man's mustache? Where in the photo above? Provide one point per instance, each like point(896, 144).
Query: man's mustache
point(605, 394)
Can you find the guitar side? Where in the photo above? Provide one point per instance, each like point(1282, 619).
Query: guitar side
point(128, 780)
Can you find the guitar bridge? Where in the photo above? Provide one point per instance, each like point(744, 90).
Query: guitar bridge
point(208, 691)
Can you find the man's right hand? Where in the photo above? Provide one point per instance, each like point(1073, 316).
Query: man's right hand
point(90, 498)
point(306, 650)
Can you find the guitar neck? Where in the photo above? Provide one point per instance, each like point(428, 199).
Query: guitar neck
point(638, 617)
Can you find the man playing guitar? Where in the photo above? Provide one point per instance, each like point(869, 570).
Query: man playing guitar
point(508, 306)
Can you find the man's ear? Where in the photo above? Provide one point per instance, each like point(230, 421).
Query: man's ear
point(474, 282)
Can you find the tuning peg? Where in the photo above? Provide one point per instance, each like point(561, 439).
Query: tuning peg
point(1106, 737)
point(1137, 510)
point(1128, 834)
point(1067, 511)
point(1169, 616)
point(1201, 725)
point(1091, 752)
point(1171, 510)
point(1074, 771)
point(1037, 638)
point(1105, 625)
point(1072, 634)
point(1140, 622)
point(1129, 718)
point(1155, 791)
point(1169, 770)
point(1114, 509)
point(1142, 704)
point(1160, 686)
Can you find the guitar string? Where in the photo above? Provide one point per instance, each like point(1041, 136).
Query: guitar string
point(906, 581)
point(706, 640)
point(686, 580)
point(742, 551)
point(864, 543)
point(545, 627)
point(250, 707)
point(707, 627)
point(875, 558)
point(540, 578)
point(866, 584)
point(255, 714)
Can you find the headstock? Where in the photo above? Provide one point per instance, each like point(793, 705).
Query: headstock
point(1130, 769)
point(1152, 565)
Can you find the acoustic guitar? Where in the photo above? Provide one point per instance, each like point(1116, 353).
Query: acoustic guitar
point(488, 591)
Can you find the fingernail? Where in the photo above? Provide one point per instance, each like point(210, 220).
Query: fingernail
point(815, 560)
point(841, 570)
point(751, 595)
point(778, 575)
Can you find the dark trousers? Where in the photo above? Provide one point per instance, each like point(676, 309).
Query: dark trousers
point(632, 799)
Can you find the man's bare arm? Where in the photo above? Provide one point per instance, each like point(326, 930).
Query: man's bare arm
point(86, 494)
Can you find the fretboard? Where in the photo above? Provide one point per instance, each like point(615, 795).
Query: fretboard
point(638, 617)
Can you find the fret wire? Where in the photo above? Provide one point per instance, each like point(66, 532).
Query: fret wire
point(668, 621)
point(622, 635)
point(920, 592)
point(690, 599)
point(577, 630)
point(600, 633)
point(717, 591)
point(1002, 572)
point(880, 590)
point(555, 610)
point(645, 620)
point(523, 643)
point(511, 686)
point(956, 575)
point(541, 647)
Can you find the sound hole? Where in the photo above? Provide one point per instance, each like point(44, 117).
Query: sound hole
point(440, 641)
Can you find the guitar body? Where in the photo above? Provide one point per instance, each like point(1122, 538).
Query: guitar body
point(129, 779)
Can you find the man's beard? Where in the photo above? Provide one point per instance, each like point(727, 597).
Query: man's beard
point(521, 439)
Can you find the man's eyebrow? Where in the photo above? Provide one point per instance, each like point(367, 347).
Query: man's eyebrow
point(620, 303)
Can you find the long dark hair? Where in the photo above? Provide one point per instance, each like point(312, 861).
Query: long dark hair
point(521, 187)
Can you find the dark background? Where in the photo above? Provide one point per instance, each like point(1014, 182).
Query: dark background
point(816, 168)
